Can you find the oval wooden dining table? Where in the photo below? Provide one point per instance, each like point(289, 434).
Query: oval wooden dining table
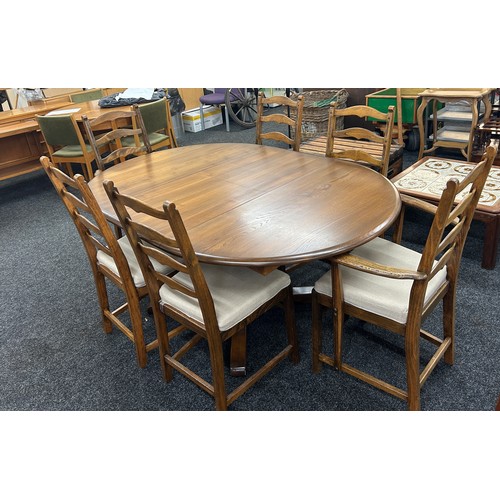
point(258, 206)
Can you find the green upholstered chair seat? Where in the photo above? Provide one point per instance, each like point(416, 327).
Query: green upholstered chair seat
point(154, 138)
point(72, 151)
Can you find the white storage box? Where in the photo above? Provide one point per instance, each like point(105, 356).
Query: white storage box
point(191, 119)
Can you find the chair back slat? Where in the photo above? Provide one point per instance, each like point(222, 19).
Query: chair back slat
point(360, 134)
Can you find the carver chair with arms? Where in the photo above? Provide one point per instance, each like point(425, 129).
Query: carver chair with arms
point(111, 260)
point(107, 144)
point(65, 143)
point(395, 288)
point(213, 302)
point(361, 144)
point(294, 124)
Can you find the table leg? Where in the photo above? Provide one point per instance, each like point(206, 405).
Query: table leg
point(475, 116)
point(238, 362)
point(490, 248)
point(421, 128)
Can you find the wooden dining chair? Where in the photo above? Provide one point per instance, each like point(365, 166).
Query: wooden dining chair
point(216, 303)
point(65, 143)
point(111, 260)
point(158, 123)
point(362, 144)
point(106, 133)
point(294, 124)
point(395, 288)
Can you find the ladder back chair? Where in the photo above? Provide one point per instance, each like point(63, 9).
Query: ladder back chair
point(65, 143)
point(361, 144)
point(111, 259)
point(108, 147)
point(395, 288)
point(214, 302)
point(294, 124)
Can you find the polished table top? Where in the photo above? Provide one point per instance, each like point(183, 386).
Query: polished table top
point(259, 206)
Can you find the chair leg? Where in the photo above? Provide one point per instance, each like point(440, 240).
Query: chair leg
point(396, 167)
point(88, 171)
point(163, 342)
point(67, 167)
point(201, 118)
point(217, 364)
point(138, 331)
point(291, 326)
point(449, 325)
point(102, 297)
point(338, 314)
point(238, 353)
point(317, 316)
point(227, 118)
point(412, 350)
point(338, 330)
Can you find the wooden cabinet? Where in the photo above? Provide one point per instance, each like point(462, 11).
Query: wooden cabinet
point(454, 125)
point(21, 145)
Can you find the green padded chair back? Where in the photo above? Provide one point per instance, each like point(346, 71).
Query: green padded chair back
point(58, 130)
point(154, 115)
point(91, 95)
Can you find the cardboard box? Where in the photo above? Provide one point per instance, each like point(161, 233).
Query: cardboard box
point(191, 119)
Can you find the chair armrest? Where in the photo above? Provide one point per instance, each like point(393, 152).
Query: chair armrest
point(368, 266)
point(410, 201)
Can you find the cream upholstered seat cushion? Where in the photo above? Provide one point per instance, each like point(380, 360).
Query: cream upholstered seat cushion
point(236, 293)
point(107, 261)
point(386, 297)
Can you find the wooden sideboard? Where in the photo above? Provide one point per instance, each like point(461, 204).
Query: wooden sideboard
point(21, 142)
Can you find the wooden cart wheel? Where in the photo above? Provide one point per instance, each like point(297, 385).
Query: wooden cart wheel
point(242, 106)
